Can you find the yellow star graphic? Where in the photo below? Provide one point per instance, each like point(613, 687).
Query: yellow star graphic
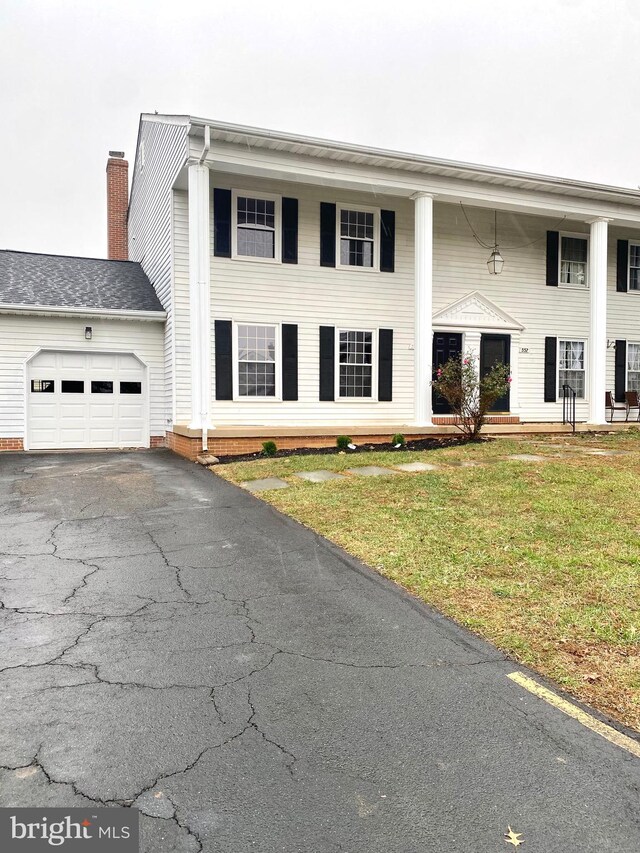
point(512, 837)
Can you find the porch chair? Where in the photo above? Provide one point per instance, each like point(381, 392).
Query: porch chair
point(612, 406)
point(631, 402)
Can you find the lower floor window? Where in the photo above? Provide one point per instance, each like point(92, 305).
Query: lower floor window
point(633, 367)
point(572, 371)
point(356, 363)
point(256, 361)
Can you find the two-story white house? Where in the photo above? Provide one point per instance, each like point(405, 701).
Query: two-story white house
point(311, 286)
point(308, 288)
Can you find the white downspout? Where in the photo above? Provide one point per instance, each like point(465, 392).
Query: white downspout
point(205, 389)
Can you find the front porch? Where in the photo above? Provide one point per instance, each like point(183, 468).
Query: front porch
point(230, 441)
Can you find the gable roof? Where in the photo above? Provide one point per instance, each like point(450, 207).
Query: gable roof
point(59, 281)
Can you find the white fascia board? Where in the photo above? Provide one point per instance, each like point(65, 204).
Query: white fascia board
point(46, 310)
point(472, 171)
point(282, 166)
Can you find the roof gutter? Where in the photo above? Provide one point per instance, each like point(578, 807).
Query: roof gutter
point(55, 310)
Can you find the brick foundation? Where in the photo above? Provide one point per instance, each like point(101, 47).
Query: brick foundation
point(11, 444)
point(447, 420)
point(191, 446)
point(157, 441)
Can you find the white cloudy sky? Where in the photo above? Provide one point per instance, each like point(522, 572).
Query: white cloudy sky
point(550, 86)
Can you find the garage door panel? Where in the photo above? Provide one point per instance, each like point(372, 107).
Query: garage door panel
point(72, 361)
point(75, 419)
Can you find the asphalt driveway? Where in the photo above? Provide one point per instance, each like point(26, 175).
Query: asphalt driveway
point(171, 642)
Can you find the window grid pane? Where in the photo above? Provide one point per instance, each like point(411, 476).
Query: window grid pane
point(355, 364)
point(256, 221)
point(633, 367)
point(634, 267)
point(356, 238)
point(573, 263)
point(571, 366)
point(256, 361)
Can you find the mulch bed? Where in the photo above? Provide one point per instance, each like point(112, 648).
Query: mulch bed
point(421, 444)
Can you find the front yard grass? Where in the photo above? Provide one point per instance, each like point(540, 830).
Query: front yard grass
point(541, 558)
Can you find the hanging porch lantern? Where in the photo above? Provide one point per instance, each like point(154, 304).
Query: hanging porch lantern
point(495, 262)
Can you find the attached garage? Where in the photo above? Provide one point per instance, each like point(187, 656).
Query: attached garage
point(81, 354)
point(86, 399)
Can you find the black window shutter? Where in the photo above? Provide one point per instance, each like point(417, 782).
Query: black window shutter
point(387, 240)
point(553, 249)
point(224, 365)
point(222, 223)
point(385, 364)
point(289, 231)
point(622, 270)
point(550, 363)
point(289, 361)
point(327, 362)
point(327, 235)
point(621, 371)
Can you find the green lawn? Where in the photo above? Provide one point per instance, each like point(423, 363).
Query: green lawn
point(541, 558)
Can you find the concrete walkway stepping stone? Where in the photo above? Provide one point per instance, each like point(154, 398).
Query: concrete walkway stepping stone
point(465, 463)
point(318, 476)
point(415, 467)
point(264, 485)
point(597, 451)
point(371, 471)
point(528, 457)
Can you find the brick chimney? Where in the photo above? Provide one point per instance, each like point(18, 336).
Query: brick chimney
point(117, 204)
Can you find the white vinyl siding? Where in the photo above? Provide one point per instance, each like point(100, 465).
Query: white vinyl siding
point(311, 296)
point(22, 336)
point(162, 152)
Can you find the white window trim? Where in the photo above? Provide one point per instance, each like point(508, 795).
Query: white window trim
point(374, 365)
point(626, 366)
point(580, 235)
point(277, 249)
point(584, 399)
point(236, 372)
point(376, 240)
point(629, 288)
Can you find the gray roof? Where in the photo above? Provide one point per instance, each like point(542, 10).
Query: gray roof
point(59, 281)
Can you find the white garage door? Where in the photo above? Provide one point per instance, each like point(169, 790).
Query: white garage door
point(80, 399)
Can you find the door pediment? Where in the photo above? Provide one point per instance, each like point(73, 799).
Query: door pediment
point(475, 311)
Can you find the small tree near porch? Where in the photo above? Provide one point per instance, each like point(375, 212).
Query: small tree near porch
point(469, 396)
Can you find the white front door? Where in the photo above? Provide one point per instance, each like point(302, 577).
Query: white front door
point(86, 399)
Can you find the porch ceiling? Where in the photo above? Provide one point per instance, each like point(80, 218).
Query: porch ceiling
point(297, 159)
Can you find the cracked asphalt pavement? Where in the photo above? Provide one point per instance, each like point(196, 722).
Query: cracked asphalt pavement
point(171, 642)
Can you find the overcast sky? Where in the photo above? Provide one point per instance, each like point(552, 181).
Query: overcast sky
point(548, 86)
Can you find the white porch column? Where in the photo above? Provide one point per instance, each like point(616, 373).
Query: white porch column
point(598, 319)
point(423, 347)
point(200, 297)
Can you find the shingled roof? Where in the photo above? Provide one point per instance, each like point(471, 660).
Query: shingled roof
point(58, 281)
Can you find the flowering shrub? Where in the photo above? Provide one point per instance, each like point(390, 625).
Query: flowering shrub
point(470, 397)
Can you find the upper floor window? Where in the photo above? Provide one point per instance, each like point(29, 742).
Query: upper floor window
point(355, 360)
point(358, 238)
point(571, 366)
point(633, 367)
point(257, 226)
point(634, 266)
point(257, 353)
point(573, 260)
